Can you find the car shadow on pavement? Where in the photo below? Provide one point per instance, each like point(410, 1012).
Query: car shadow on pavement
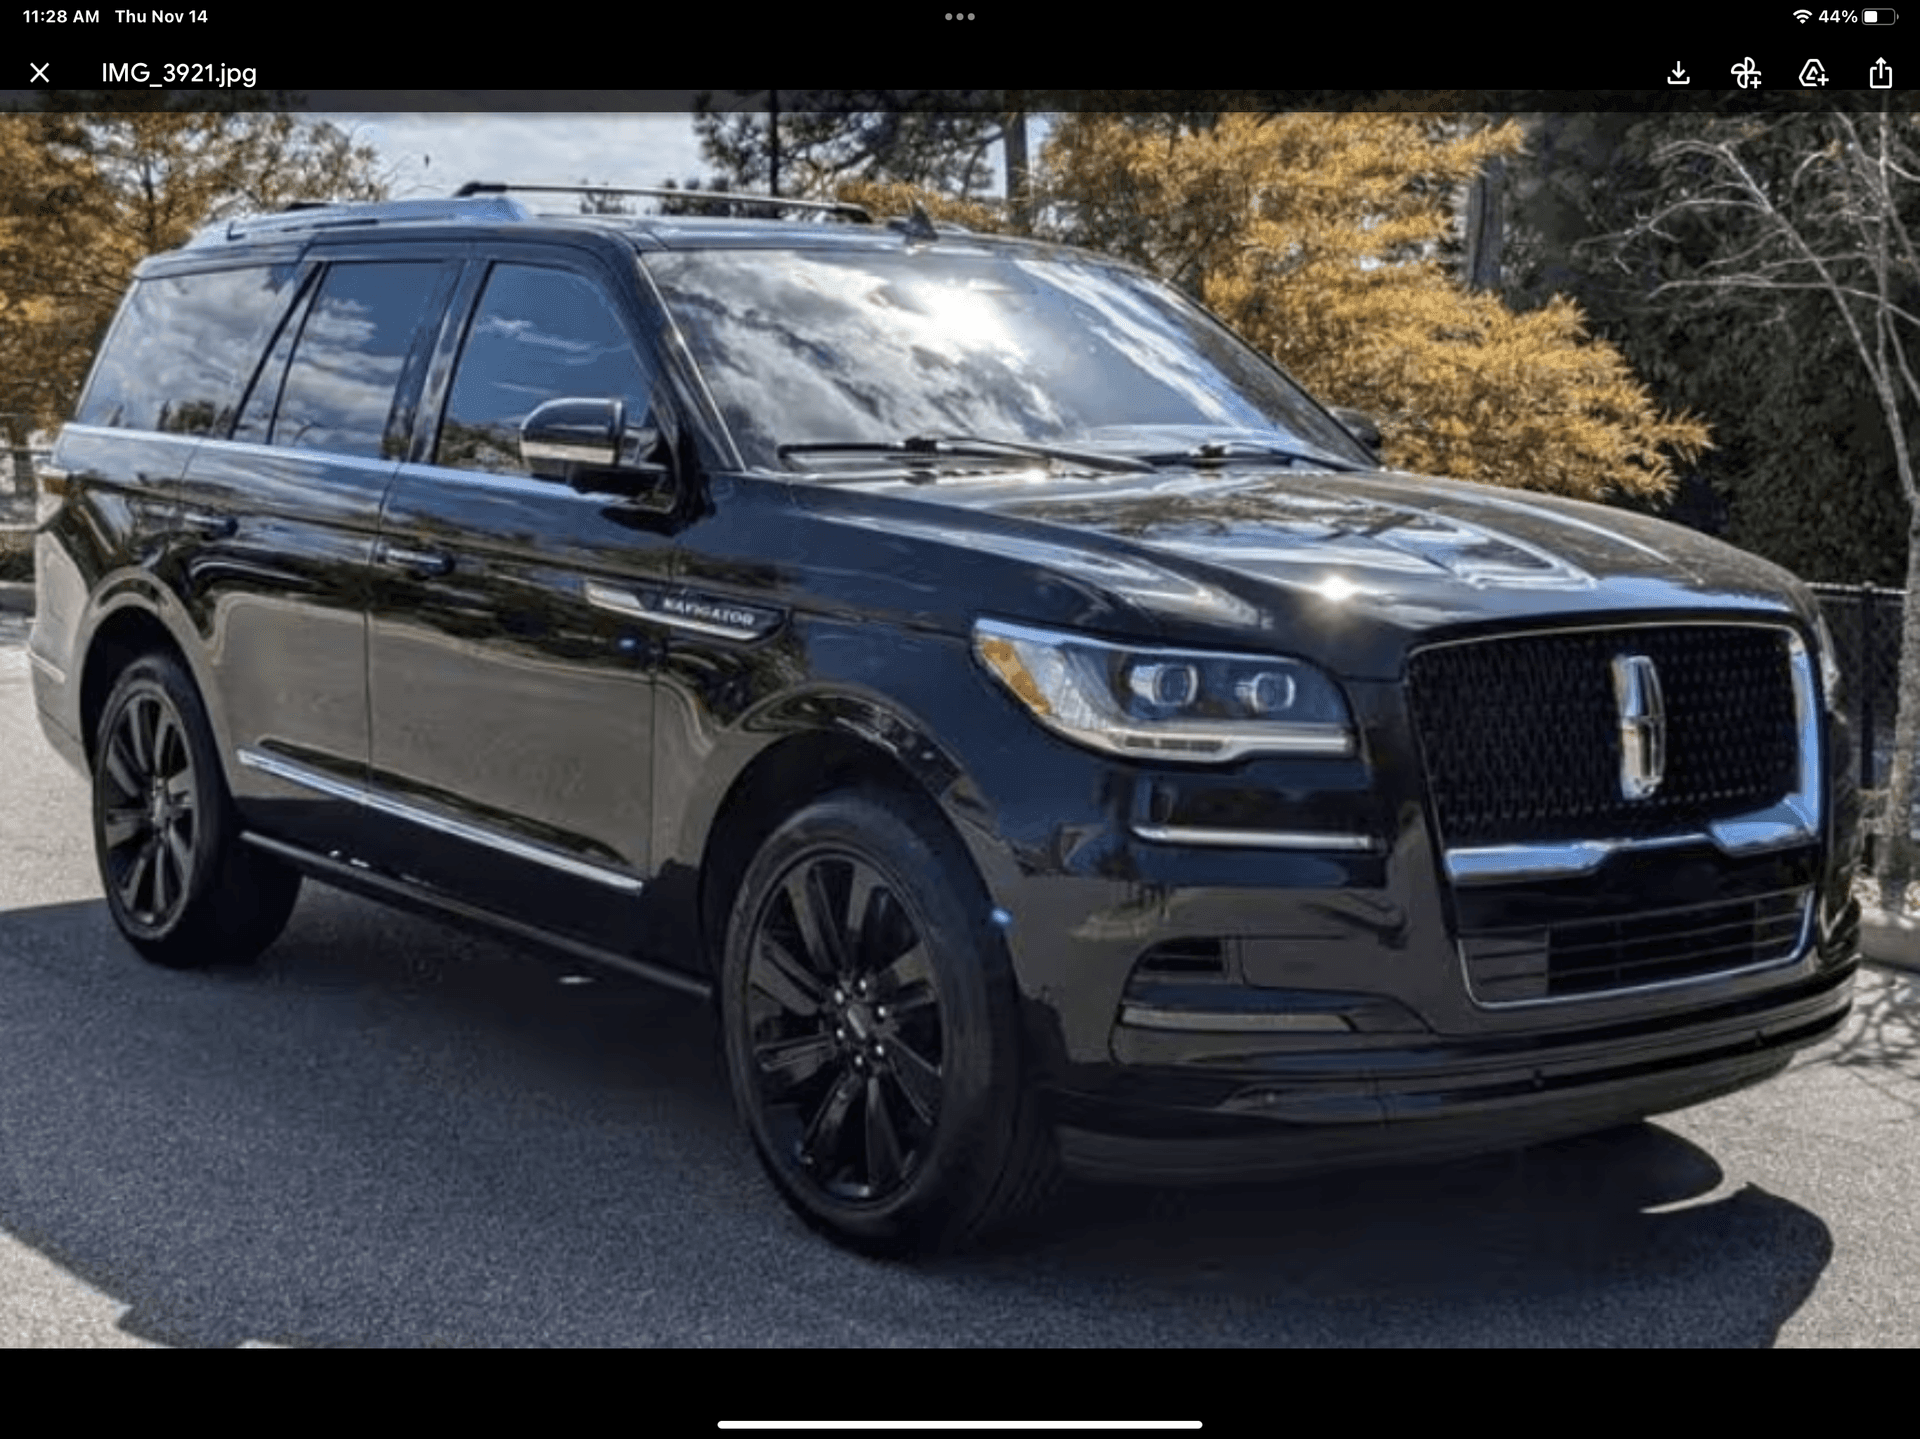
point(390, 1132)
point(1634, 1237)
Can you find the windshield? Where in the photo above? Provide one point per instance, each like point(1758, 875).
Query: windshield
point(816, 348)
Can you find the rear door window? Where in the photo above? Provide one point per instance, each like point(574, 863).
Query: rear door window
point(362, 332)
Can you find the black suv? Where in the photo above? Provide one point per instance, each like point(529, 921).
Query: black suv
point(1046, 732)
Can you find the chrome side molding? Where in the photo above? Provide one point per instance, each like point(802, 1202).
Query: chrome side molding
point(312, 779)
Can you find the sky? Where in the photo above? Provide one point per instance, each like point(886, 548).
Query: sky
point(436, 154)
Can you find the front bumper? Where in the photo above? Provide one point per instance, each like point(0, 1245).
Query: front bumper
point(1436, 1098)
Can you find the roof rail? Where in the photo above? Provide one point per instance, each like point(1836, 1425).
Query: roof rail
point(845, 211)
point(305, 215)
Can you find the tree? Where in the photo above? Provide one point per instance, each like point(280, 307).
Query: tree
point(1769, 210)
point(1765, 372)
point(825, 138)
point(85, 194)
point(1019, 168)
point(1321, 238)
point(884, 198)
point(595, 200)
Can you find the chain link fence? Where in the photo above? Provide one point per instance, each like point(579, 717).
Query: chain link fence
point(1865, 623)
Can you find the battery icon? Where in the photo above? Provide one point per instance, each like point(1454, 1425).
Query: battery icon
point(1878, 17)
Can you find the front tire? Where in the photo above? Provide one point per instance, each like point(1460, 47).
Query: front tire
point(182, 888)
point(872, 1032)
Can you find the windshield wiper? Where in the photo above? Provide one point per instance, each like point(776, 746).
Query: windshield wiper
point(1219, 452)
point(970, 447)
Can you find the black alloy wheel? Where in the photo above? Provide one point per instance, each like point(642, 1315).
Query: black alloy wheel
point(150, 824)
point(846, 1024)
point(871, 1032)
point(182, 887)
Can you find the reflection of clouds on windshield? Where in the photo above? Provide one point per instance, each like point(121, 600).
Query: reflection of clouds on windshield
point(338, 326)
point(827, 351)
point(879, 346)
point(1145, 334)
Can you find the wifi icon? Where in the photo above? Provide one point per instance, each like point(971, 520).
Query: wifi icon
point(1803, 16)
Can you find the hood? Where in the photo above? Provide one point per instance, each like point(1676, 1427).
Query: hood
point(1422, 551)
point(1370, 562)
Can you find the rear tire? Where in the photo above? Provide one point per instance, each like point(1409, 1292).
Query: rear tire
point(872, 1032)
point(182, 887)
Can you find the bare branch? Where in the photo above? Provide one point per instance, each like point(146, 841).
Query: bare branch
point(1913, 389)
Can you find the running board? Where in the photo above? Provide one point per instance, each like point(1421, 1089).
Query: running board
point(353, 876)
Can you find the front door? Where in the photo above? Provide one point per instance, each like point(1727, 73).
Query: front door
point(511, 685)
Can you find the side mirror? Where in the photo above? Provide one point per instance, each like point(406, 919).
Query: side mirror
point(562, 435)
point(1359, 424)
point(587, 444)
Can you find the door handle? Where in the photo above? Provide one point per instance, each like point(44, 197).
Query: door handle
point(421, 562)
point(209, 526)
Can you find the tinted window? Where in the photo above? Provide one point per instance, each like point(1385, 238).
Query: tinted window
point(801, 347)
point(537, 335)
point(184, 348)
point(348, 360)
point(255, 423)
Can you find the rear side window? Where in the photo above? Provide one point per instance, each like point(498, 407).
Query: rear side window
point(363, 327)
point(184, 347)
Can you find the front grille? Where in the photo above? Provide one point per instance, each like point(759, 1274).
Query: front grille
point(1521, 736)
point(1598, 955)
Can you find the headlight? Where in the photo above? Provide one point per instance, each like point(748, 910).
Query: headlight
point(1167, 704)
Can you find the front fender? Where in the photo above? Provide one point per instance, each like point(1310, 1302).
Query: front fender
point(721, 710)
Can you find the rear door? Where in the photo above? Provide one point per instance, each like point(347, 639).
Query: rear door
point(275, 532)
point(511, 679)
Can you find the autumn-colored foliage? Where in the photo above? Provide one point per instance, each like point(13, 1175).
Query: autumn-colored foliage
point(882, 197)
point(85, 195)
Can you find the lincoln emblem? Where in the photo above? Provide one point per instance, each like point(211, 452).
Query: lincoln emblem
point(1643, 725)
